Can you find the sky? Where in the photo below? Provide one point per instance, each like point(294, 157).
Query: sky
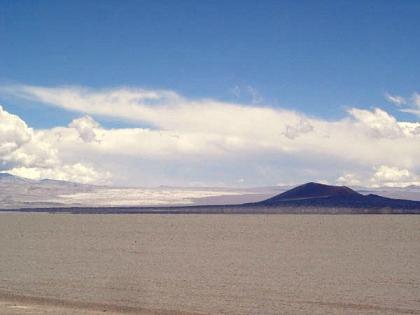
point(211, 93)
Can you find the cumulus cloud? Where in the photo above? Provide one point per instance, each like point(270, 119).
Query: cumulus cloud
point(86, 127)
point(390, 174)
point(199, 133)
point(24, 152)
point(380, 176)
point(379, 123)
point(13, 133)
point(349, 179)
point(393, 177)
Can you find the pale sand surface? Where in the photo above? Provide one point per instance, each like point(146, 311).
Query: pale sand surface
point(209, 264)
point(12, 304)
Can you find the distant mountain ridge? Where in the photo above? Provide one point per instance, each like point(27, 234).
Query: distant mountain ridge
point(22, 193)
point(9, 178)
point(320, 195)
point(14, 179)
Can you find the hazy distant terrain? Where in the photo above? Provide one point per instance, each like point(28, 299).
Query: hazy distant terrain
point(410, 192)
point(16, 192)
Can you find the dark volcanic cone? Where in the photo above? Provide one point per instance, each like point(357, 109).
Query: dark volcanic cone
point(320, 195)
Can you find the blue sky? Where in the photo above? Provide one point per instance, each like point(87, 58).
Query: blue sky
point(312, 56)
point(319, 58)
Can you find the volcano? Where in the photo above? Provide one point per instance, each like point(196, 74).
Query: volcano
point(320, 195)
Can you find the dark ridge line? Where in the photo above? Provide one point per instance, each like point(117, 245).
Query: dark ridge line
point(209, 209)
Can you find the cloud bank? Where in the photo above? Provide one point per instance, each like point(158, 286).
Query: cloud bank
point(25, 152)
point(192, 141)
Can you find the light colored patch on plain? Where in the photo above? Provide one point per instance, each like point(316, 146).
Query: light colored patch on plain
point(141, 196)
point(20, 307)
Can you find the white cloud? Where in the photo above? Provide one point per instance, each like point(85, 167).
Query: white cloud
point(74, 173)
point(86, 127)
point(380, 176)
point(349, 179)
point(411, 104)
point(393, 176)
point(379, 123)
point(190, 137)
point(13, 133)
point(395, 99)
point(387, 173)
point(293, 131)
point(415, 105)
point(24, 152)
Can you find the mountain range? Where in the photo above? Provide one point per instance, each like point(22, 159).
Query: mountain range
point(21, 193)
point(18, 192)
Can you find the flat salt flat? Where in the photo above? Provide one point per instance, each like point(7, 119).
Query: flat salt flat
point(209, 264)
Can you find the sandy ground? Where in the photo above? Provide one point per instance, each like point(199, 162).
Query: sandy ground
point(12, 304)
point(209, 264)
